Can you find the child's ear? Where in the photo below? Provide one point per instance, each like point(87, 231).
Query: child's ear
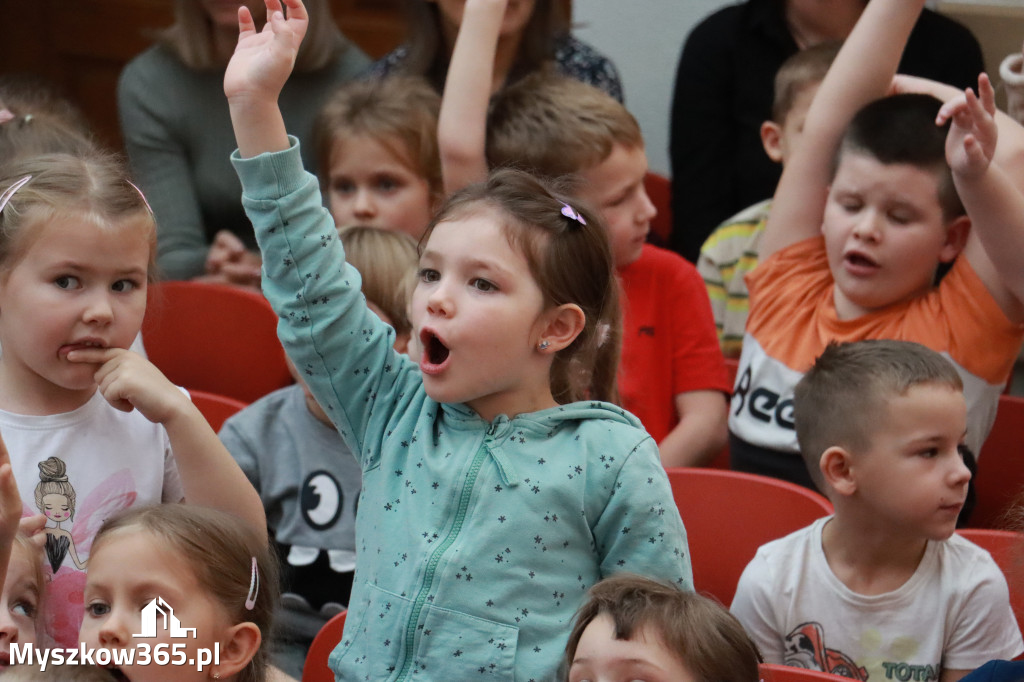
point(771, 140)
point(836, 468)
point(560, 326)
point(956, 238)
point(240, 644)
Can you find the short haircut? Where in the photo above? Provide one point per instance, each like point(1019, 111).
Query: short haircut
point(802, 70)
point(552, 126)
point(840, 399)
point(399, 112)
point(701, 633)
point(900, 129)
point(387, 261)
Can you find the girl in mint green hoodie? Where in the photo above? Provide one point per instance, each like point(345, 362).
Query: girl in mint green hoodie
point(498, 486)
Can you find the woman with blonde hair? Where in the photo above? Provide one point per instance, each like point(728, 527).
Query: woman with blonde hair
point(178, 136)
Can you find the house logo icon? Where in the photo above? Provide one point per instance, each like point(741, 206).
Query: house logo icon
point(156, 611)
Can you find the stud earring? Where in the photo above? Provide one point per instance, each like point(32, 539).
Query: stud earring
point(543, 345)
point(216, 676)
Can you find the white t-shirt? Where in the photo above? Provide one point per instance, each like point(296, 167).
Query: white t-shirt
point(112, 460)
point(952, 614)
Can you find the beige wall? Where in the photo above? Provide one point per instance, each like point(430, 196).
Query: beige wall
point(999, 26)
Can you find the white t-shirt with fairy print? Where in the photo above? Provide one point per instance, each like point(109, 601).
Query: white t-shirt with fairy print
point(111, 460)
point(952, 614)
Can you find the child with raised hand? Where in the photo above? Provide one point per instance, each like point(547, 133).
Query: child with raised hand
point(883, 586)
point(865, 213)
point(101, 424)
point(732, 249)
point(307, 477)
point(635, 628)
point(376, 142)
point(208, 568)
point(672, 376)
point(491, 501)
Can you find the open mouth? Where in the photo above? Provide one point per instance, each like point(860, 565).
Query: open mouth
point(80, 345)
point(435, 353)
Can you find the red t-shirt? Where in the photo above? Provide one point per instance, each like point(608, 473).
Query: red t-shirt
point(669, 343)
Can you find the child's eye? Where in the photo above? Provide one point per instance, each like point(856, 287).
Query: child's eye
point(930, 453)
point(97, 609)
point(483, 285)
point(900, 218)
point(429, 275)
point(124, 285)
point(24, 608)
point(388, 184)
point(66, 282)
point(342, 187)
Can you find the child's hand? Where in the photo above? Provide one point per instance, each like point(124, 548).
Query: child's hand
point(10, 500)
point(229, 262)
point(263, 60)
point(971, 143)
point(128, 381)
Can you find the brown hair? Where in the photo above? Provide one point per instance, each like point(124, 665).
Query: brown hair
point(429, 55)
point(400, 109)
point(44, 122)
point(25, 547)
point(553, 126)
point(386, 260)
point(702, 634)
point(53, 480)
point(220, 548)
point(839, 400)
point(806, 68)
point(571, 263)
point(93, 186)
point(190, 37)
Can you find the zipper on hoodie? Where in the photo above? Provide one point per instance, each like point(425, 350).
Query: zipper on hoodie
point(435, 557)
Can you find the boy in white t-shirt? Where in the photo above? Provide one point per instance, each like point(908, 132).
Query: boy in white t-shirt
point(882, 589)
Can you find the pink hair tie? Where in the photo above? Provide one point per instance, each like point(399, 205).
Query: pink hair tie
point(9, 192)
point(571, 213)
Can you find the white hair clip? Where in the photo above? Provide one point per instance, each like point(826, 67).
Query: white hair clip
point(9, 192)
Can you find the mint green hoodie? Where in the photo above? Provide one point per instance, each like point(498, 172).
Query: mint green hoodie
point(476, 542)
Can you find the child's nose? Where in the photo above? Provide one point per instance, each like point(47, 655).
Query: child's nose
point(866, 227)
point(114, 631)
point(439, 302)
point(365, 206)
point(8, 628)
point(99, 309)
point(647, 208)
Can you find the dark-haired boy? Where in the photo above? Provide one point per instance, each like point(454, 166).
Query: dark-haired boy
point(882, 589)
point(864, 214)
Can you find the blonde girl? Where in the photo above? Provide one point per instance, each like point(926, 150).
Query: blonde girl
point(207, 568)
point(77, 242)
point(491, 500)
point(376, 142)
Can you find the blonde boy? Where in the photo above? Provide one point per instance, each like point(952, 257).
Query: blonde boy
point(672, 374)
point(732, 249)
point(882, 589)
point(864, 214)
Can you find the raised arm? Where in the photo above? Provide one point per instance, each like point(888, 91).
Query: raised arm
point(861, 73)
point(258, 69)
point(462, 124)
point(994, 204)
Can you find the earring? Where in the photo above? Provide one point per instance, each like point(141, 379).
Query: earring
point(543, 345)
point(216, 676)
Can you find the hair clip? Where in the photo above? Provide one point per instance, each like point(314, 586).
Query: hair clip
point(136, 187)
point(9, 192)
point(6, 115)
point(570, 213)
point(254, 587)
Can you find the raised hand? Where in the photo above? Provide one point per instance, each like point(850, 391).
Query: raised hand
point(263, 60)
point(128, 381)
point(971, 143)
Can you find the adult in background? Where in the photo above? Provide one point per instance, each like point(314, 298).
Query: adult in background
point(723, 93)
point(534, 33)
point(177, 131)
